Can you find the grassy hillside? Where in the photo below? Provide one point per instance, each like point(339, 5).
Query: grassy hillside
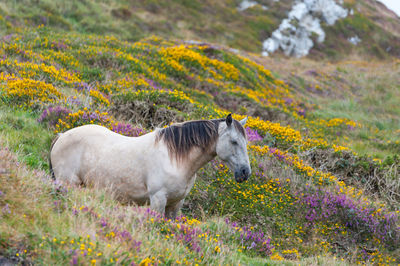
point(214, 21)
point(366, 92)
point(318, 194)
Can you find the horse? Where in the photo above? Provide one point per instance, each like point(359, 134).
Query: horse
point(158, 167)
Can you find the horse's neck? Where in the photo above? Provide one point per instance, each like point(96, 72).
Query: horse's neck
point(198, 158)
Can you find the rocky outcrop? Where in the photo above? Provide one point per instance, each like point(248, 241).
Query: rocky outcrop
point(294, 33)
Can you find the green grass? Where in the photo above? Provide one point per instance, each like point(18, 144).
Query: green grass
point(364, 92)
point(25, 136)
point(374, 105)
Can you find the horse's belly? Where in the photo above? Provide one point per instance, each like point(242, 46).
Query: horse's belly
point(178, 190)
point(127, 186)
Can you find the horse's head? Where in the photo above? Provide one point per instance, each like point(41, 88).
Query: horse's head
point(231, 147)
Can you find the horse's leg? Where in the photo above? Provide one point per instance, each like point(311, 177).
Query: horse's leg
point(171, 211)
point(71, 180)
point(158, 201)
point(66, 166)
point(65, 176)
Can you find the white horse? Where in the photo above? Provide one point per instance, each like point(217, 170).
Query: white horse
point(159, 167)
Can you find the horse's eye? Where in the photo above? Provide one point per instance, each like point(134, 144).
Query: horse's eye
point(234, 142)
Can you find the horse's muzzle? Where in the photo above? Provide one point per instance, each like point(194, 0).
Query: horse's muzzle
point(242, 174)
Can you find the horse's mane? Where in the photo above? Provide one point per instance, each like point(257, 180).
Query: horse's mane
point(182, 137)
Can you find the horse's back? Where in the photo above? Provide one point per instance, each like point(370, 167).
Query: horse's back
point(81, 137)
point(73, 148)
point(88, 131)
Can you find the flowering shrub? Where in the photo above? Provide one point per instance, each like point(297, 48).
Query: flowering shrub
point(182, 53)
point(363, 221)
point(154, 95)
point(64, 119)
point(99, 98)
point(127, 130)
point(252, 135)
point(250, 240)
point(51, 115)
point(26, 92)
point(31, 70)
point(83, 117)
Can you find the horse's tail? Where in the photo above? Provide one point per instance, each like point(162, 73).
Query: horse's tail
point(51, 147)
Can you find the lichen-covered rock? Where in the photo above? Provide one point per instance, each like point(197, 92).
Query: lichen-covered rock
point(294, 33)
point(354, 40)
point(245, 4)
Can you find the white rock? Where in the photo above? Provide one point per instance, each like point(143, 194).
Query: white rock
point(193, 42)
point(245, 4)
point(264, 53)
point(333, 12)
point(298, 11)
point(235, 51)
point(286, 25)
point(313, 25)
point(354, 40)
point(270, 46)
point(294, 33)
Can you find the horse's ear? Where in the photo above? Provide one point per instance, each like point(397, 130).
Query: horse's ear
point(228, 120)
point(243, 121)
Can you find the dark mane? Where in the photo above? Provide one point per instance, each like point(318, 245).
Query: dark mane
point(181, 138)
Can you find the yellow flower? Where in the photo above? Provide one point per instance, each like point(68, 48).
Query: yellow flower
point(276, 256)
point(217, 249)
point(145, 262)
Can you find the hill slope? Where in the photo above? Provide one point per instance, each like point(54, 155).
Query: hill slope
point(215, 21)
point(309, 196)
